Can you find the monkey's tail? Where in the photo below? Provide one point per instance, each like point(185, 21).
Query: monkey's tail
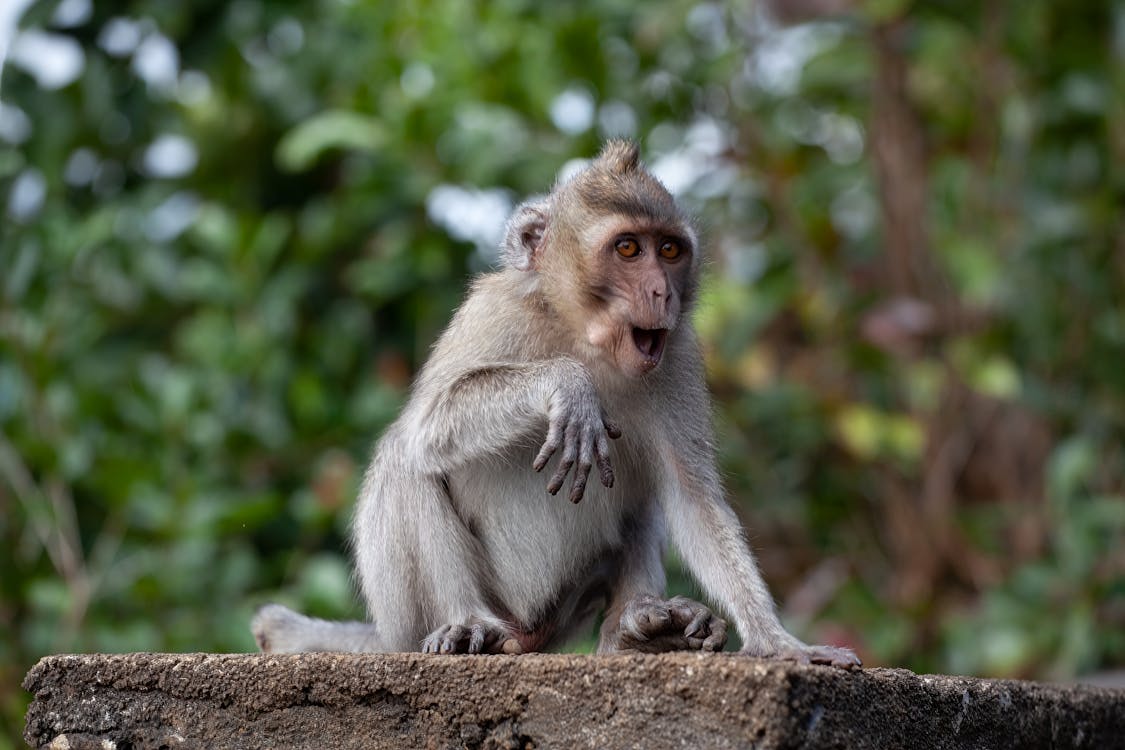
point(280, 630)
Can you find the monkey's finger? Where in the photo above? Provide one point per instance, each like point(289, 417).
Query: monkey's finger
point(544, 456)
point(565, 463)
point(684, 611)
point(718, 637)
point(550, 445)
point(578, 485)
point(602, 457)
point(557, 480)
point(698, 623)
point(607, 472)
point(453, 639)
point(611, 428)
point(432, 643)
point(476, 638)
point(585, 463)
point(648, 619)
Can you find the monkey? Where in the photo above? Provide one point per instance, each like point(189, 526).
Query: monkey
point(577, 354)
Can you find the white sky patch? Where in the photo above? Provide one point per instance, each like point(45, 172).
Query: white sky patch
point(616, 119)
point(257, 53)
point(10, 13)
point(417, 80)
point(682, 168)
point(170, 156)
point(853, 211)
point(572, 111)
point(841, 136)
point(71, 13)
point(53, 60)
point(15, 125)
point(782, 52)
point(744, 263)
point(157, 62)
point(286, 38)
point(120, 36)
point(171, 218)
point(81, 167)
point(677, 170)
point(28, 193)
point(707, 23)
point(471, 215)
point(193, 88)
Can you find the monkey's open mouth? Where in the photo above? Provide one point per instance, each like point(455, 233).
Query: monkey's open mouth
point(650, 342)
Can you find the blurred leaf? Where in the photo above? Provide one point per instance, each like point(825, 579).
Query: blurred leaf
point(870, 434)
point(879, 11)
point(333, 129)
point(325, 584)
point(1071, 466)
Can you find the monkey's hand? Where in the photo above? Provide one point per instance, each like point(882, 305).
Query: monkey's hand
point(577, 425)
point(474, 637)
point(655, 625)
point(788, 648)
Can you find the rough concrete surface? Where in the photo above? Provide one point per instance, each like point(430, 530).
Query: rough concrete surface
point(137, 701)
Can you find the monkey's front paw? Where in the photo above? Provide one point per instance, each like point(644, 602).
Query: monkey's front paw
point(471, 638)
point(655, 625)
point(833, 656)
point(576, 425)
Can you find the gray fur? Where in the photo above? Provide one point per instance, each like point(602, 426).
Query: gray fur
point(460, 547)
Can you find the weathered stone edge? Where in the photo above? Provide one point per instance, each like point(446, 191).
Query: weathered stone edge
point(726, 700)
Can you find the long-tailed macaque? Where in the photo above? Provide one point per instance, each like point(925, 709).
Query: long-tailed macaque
point(578, 353)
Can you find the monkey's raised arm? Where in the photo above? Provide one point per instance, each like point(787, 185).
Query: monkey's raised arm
point(499, 398)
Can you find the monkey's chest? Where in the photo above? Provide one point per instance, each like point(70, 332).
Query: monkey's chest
point(538, 545)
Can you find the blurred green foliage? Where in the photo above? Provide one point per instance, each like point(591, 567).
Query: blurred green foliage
point(231, 233)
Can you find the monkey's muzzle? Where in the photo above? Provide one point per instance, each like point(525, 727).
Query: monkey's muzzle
point(650, 343)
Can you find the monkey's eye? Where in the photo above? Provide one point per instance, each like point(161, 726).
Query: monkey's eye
point(670, 250)
point(627, 247)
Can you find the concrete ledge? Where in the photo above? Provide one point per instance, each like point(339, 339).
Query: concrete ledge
point(139, 701)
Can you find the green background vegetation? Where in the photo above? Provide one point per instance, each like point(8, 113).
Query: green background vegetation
point(914, 313)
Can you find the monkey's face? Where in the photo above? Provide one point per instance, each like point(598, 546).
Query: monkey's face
point(641, 271)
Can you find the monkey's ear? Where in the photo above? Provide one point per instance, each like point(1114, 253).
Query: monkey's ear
point(524, 234)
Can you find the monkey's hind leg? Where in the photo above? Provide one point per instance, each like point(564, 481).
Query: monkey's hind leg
point(654, 625)
point(280, 630)
point(422, 571)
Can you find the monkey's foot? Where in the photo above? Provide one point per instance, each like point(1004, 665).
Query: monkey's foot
point(654, 625)
point(833, 656)
point(474, 637)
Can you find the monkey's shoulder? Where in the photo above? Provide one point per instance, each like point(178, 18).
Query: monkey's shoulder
point(505, 290)
point(502, 314)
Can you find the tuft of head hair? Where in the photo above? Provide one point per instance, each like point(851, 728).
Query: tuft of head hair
point(618, 157)
point(616, 181)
